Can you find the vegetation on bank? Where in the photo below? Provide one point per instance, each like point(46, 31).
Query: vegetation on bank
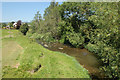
point(91, 25)
point(34, 61)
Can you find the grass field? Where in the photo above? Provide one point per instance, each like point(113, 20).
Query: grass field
point(22, 58)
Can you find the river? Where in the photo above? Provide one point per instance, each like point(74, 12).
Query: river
point(86, 59)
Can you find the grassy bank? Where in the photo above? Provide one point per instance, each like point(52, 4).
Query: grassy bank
point(0, 54)
point(24, 58)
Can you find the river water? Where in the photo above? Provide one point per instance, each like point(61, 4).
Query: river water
point(87, 59)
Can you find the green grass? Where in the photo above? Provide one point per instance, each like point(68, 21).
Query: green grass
point(0, 54)
point(10, 49)
point(31, 55)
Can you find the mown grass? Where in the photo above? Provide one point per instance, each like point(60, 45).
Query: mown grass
point(38, 62)
point(10, 49)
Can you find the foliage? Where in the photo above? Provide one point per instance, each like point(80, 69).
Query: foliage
point(98, 24)
point(11, 24)
point(3, 25)
point(24, 28)
point(52, 17)
point(69, 36)
point(75, 15)
point(42, 37)
point(75, 39)
point(48, 26)
point(19, 22)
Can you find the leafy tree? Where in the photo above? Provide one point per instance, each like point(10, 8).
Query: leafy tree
point(75, 13)
point(52, 18)
point(18, 24)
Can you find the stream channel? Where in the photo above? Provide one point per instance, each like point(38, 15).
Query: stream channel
point(88, 60)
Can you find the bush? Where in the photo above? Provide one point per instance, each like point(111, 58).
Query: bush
point(75, 39)
point(42, 37)
point(62, 40)
point(24, 28)
point(92, 47)
point(109, 56)
point(3, 25)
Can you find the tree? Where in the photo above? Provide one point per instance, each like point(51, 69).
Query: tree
point(35, 24)
point(47, 26)
point(18, 24)
point(48, 10)
point(105, 35)
point(76, 13)
point(11, 24)
point(52, 17)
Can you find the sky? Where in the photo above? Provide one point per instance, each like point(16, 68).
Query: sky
point(14, 10)
point(24, 11)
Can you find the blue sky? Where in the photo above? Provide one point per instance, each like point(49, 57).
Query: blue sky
point(25, 11)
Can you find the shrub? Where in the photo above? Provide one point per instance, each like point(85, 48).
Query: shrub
point(24, 28)
point(75, 39)
point(109, 56)
point(92, 47)
point(3, 25)
point(42, 37)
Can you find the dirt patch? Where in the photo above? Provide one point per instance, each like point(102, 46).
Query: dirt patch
point(36, 69)
point(10, 32)
point(32, 71)
point(20, 46)
point(8, 36)
point(10, 52)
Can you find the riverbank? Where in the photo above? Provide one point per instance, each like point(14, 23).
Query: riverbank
point(26, 58)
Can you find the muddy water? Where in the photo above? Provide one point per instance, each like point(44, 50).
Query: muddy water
point(83, 56)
